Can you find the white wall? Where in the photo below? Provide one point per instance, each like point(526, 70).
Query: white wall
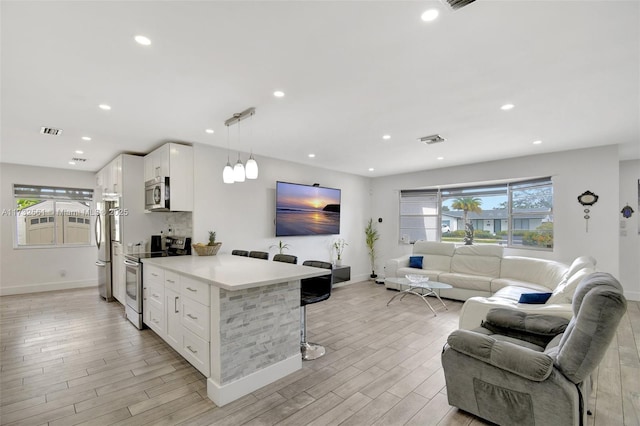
point(243, 214)
point(630, 229)
point(573, 172)
point(28, 270)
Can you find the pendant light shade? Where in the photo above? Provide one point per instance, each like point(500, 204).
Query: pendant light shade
point(227, 173)
point(238, 171)
point(251, 168)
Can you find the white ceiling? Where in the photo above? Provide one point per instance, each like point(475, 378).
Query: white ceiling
point(352, 71)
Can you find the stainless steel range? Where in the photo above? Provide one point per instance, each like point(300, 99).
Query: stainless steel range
point(176, 246)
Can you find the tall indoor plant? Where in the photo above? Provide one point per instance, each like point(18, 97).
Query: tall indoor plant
point(371, 237)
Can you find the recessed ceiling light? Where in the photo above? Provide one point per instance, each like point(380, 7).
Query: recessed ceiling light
point(73, 163)
point(386, 137)
point(140, 39)
point(79, 152)
point(86, 138)
point(507, 107)
point(104, 107)
point(429, 15)
point(278, 94)
point(440, 158)
point(371, 169)
point(210, 131)
point(537, 142)
point(312, 155)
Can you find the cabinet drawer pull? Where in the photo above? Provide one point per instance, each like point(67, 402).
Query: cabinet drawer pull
point(175, 304)
point(192, 289)
point(155, 295)
point(192, 317)
point(171, 281)
point(154, 274)
point(192, 350)
point(155, 320)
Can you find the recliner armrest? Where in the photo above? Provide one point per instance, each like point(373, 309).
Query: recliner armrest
point(392, 265)
point(534, 328)
point(524, 362)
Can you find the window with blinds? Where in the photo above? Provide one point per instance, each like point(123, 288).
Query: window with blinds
point(515, 214)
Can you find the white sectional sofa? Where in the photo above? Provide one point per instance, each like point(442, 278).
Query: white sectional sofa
point(484, 278)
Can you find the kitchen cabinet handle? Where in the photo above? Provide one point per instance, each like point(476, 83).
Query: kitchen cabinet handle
point(175, 304)
point(156, 321)
point(192, 350)
point(192, 289)
point(155, 295)
point(171, 281)
point(192, 317)
point(155, 275)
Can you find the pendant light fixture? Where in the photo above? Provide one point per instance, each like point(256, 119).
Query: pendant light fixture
point(227, 172)
point(251, 169)
point(237, 173)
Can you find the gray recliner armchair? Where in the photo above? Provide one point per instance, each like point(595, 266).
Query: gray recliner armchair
point(532, 369)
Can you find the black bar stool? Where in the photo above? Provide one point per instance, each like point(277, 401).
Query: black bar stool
point(312, 290)
point(288, 258)
point(259, 254)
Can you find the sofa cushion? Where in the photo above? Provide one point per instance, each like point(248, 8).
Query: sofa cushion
point(436, 256)
point(415, 262)
point(432, 274)
point(477, 260)
point(527, 269)
point(564, 292)
point(578, 264)
point(466, 281)
point(497, 284)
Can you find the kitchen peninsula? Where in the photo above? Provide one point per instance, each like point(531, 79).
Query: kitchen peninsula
point(236, 319)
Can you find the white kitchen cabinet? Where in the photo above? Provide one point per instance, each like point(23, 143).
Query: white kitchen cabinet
point(173, 304)
point(183, 317)
point(174, 161)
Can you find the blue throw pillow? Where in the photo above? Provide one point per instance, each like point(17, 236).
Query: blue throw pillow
point(415, 262)
point(534, 298)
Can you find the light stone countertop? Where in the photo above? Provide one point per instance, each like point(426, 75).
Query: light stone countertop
point(235, 272)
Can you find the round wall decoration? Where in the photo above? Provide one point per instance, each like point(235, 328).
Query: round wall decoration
point(587, 199)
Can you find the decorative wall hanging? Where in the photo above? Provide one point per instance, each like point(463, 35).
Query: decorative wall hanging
point(587, 199)
point(627, 211)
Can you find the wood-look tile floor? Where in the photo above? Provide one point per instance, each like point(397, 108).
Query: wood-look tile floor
point(68, 358)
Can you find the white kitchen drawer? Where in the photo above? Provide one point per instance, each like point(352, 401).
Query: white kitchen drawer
point(195, 317)
point(153, 274)
point(155, 295)
point(194, 289)
point(172, 280)
point(196, 351)
point(156, 320)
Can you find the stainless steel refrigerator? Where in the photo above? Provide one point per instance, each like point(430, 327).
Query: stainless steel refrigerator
point(105, 231)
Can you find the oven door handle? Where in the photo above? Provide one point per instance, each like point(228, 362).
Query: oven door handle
point(130, 263)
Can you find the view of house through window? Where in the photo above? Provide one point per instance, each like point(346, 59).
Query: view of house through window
point(48, 216)
point(516, 214)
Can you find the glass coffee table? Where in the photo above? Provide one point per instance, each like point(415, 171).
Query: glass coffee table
point(422, 289)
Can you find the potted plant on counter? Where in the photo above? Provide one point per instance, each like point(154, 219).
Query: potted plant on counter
point(209, 249)
point(371, 237)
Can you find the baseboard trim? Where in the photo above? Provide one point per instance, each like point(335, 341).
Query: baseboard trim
point(632, 295)
point(224, 394)
point(40, 287)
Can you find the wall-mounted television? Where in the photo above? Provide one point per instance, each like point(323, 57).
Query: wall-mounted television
point(306, 210)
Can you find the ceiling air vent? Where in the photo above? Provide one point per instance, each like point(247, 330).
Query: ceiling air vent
point(50, 131)
point(432, 139)
point(78, 159)
point(458, 4)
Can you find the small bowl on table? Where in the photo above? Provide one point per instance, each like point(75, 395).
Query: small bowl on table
point(416, 279)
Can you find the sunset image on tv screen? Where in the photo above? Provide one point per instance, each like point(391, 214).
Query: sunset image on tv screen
point(306, 210)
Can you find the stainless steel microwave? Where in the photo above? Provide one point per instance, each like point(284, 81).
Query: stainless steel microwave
point(156, 194)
